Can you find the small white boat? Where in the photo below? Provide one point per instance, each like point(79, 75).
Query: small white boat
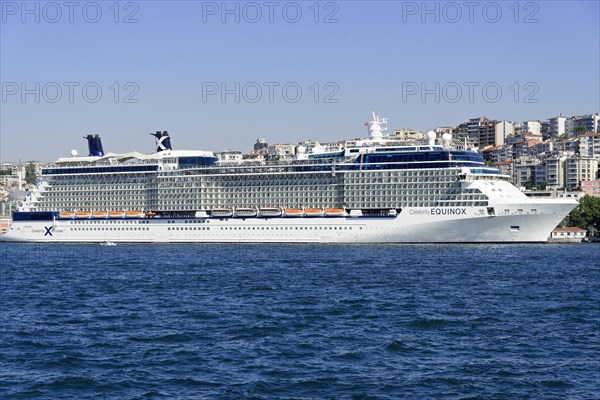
point(108, 243)
point(245, 212)
point(222, 212)
point(270, 212)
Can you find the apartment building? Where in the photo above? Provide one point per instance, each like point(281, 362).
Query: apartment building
point(589, 145)
point(578, 169)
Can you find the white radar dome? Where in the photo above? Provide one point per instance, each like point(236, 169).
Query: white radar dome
point(74, 153)
point(446, 137)
point(431, 137)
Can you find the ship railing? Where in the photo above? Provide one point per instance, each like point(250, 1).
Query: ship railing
point(91, 164)
point(471, 177)
point(275, 167)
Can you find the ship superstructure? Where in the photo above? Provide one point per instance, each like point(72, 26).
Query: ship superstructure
point(372, 190)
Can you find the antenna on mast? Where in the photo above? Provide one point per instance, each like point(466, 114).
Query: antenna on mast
point(377, 126)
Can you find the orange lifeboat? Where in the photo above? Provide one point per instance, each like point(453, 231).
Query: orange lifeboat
point(134, 214)
point(313, 212)
point(335, 212)
point(292, 212)
point(83, 214)
point(99, 214)
point(116, 214)
point(67, 214)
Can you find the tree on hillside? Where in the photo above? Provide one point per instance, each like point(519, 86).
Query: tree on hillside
point(587, 214)
point(543, 185)
point(30, 176)
point(528, 185)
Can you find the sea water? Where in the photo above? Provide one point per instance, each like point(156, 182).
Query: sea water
point(264, 321)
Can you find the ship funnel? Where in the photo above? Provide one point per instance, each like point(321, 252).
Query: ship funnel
point(94, 145)
point(163, 140)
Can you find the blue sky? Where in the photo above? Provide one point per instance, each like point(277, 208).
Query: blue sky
point(162, 66)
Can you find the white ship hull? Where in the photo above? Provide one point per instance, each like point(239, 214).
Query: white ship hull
point(363, 191)
point(520, 223)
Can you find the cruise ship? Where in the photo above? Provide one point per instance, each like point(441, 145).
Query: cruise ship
point(373, 190)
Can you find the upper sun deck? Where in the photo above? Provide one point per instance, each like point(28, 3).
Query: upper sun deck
point(367, 156)
point(132, 157)
point(372, 153)
point(130, 162)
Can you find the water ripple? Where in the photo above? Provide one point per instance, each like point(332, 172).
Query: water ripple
point(208, 321)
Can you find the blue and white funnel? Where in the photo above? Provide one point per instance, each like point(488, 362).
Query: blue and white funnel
point(163, 141)
point(94, 145)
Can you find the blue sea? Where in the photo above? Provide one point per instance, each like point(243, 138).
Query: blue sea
point(252, 321)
